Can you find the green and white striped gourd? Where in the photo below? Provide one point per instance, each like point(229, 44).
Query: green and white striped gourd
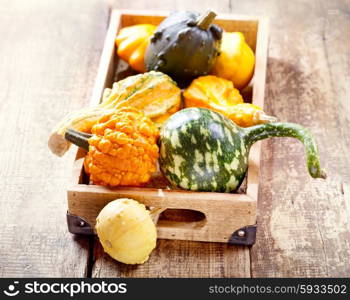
point(201, 150)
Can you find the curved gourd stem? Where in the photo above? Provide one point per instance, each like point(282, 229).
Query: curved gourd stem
point(206, 19)
point(78, 138)
point(263, 131)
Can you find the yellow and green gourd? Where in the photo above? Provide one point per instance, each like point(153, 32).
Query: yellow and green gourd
point(202, 150)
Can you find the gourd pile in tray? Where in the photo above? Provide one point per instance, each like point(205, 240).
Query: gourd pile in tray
point(199, 137)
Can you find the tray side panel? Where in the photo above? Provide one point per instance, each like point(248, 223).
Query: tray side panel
point(248, 25)
point(108, 60)
point(224, 213)
point(258, 99)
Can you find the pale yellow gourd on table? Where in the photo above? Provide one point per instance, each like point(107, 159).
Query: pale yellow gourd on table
point(126, 231)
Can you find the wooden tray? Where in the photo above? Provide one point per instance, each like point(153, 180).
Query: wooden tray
point(198, 216)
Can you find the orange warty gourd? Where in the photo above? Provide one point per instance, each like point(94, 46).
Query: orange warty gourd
point(122, 149)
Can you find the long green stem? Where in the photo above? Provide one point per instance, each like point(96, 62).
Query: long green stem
point(78, 138)
point(263, 131)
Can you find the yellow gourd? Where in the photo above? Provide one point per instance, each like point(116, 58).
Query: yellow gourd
point(126, 231)
point(153, 93)
point(219, 94)
point(132, 43)
point(236, 60)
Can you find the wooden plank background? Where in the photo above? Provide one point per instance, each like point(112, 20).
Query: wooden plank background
point(49, 55)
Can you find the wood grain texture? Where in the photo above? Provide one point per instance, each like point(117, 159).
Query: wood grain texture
point(48, 60)
point(303, 224)
point(179, 259)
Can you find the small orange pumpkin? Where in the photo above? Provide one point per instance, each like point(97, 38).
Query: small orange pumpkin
point(122, 148)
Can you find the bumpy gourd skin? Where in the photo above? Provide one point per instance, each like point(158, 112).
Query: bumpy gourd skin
point(153, 93)
point(182, 48)
point(123, 149)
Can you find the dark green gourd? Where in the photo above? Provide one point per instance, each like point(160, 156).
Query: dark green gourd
point(202, 150)
point(185, 45)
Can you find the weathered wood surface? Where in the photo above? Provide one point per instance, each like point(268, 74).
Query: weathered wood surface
point(48, 59)
point(48, 64)
point(304, 224)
